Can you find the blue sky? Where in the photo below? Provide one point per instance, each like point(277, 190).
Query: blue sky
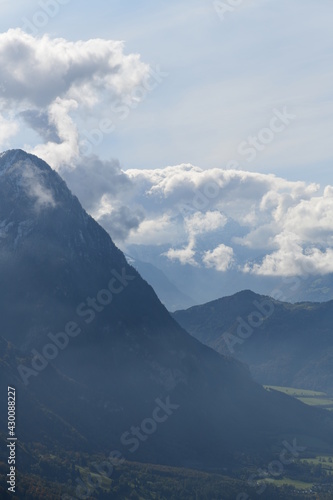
point(225, 78)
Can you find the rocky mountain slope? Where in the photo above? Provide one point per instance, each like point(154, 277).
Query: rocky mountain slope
point(284, 344)
point(86, 339)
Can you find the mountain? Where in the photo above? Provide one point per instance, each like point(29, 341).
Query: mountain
point(167, 292)
point(98, 362)
point(192, 280)
point(284, 344)
point(311, 289)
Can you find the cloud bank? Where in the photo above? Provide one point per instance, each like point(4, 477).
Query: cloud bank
point(290, 223)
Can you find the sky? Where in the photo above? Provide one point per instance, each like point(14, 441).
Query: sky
point(227, 71)
point(137, 104)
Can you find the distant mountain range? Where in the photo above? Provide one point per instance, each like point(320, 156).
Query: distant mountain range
point(98, 362)
point(167, 291)
point(199, 283)
point(284, 344)
point(192, 281)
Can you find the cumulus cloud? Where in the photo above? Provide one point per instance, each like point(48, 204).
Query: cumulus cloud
point(157, 230)
point(195, 225)
point(65, 92)
point(184, 255)
point(312, 219)
point(119, 221)
point(289, 222)
point(95, 182)
point(46, 81)
point(8, 128)
point(40, 122)
point(105, 191)
point(238, 194)
point(65, 150)
point(293, 259)
point(221, 258)
point(200, 223)
point(304, 240)
point(38, 70)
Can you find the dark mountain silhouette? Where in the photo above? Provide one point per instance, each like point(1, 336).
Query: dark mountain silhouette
point(291, 345)
point(94, 354)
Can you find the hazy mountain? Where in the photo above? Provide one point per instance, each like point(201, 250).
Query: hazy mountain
point(200, 283)
point(313, 288)
point(86, 339)
point(283, 344)
point(192, 281)
point(166, 291)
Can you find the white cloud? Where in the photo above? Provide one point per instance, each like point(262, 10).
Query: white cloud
point(293, 259)
point(201, 223)
point(183, 255)
point(66, 151)
point(156, 230)
point(303, 240)
point(195, 225)
point(98, 184)
point(289, 222)
point(38, 70)
point(59, 88)
point(221, 258)
point(62, 79)
point(34, 185)
point(8, 128)
point(247, 197)
point(119, 220)
point(312, 219)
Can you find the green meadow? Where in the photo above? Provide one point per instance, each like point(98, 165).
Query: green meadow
point(312, 398)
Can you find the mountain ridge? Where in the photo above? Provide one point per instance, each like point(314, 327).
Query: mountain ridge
point(284, 344)
point(131, 352)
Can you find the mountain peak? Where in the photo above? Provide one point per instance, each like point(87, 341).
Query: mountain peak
point(246, 294)
point(23, 169)
point(9, 157)
point(27, 185)
point(34, 200)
